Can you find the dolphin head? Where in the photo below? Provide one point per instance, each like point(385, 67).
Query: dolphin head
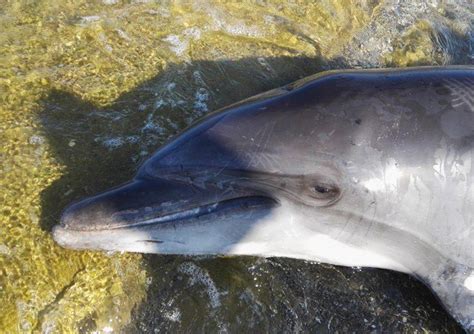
point(297, 172)
point(198, 207)
point(236, 183)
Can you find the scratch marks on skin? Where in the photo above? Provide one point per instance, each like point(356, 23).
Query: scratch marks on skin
point(258, 155)
point(454, 171)
point(388, 182)
point(451, 165)
point(462, 92)
point(372, 206)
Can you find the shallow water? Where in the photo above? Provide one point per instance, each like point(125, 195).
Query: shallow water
point(89, 91)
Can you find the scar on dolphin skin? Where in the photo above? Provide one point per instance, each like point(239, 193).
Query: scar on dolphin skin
point(462, 92)
point(217, 189)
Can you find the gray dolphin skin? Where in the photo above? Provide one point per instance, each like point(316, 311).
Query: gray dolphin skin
point(369, 168)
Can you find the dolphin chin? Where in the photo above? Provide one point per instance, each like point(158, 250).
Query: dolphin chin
point(204, 234)
point(357, 168)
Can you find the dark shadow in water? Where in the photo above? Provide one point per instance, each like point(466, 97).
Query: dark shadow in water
point(102, 147)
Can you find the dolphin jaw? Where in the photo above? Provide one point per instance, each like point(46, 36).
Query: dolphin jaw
point(115, 241)
point(171, 232)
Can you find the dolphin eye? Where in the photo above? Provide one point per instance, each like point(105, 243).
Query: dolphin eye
point(326, 192)
point(321, 189)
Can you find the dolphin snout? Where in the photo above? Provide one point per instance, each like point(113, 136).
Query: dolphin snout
point(120, 207)
point(89, 214)
point(135, 203)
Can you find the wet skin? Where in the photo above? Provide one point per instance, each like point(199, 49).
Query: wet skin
point(356, 168)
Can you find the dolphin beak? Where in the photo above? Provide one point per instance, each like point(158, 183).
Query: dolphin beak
point(146, 204)
point(136, 203)
point(131, 204)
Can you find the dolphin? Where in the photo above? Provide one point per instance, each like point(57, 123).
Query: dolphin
point(369, 168)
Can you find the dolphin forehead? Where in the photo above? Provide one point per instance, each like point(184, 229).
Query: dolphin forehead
point(261, 135)
point(330, 119)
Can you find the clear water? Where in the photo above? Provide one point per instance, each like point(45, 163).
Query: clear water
point(89, 90)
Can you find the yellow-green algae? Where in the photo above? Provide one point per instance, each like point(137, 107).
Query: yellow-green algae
point(95, 53)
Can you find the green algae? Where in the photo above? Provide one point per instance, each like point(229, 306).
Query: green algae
point(415, 47)
point(61, 62)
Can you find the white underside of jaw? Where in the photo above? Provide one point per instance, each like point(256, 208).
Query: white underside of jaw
point(319, 248)
point(275, 234)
